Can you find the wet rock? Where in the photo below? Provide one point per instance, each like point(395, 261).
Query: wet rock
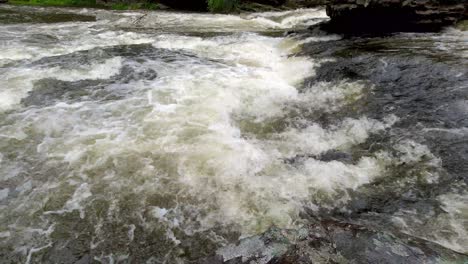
point(201, 5)
point(49, 91)
point(357, 16)
point(425, 87)
point(9, 16)
point(263, 248)
point(330, 241)
point(244, 5)
point(412, 84)
point(305, 3)
point(409, 82)
point(266, 2)
point(332, 155)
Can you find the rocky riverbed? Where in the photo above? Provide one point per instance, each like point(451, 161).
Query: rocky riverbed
point(376, 16)
point(168, 137)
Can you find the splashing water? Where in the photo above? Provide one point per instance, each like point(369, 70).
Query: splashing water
point(167, 129)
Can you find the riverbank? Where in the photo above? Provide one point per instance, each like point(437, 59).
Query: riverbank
point(351, 18)
point(87, 4)
point(222, 6)
point(189, 137)
point(379, 16)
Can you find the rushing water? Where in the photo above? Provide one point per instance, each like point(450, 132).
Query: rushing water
point(154, 137)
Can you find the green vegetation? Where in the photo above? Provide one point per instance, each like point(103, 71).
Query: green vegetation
point(134, 6)
point(256, 7)
point(222, 5)
point(80, 3)
point(462, 25)
point(86, 3)
point(216, 6)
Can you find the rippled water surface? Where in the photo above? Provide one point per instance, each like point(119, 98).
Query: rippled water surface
point(151, 137)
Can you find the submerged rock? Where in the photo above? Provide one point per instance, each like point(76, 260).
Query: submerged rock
point(422, 84)
point(330, 241)
point(394, 15)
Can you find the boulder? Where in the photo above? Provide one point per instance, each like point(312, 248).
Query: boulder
point(394, 15)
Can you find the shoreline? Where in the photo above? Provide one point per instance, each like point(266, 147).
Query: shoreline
point(249, 7)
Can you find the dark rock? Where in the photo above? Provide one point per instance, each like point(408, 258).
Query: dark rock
point(332, 155)
point(201, 5)
point(16, 16)
point(412, 79)
point(357, 16)
point(266, 2)
point(330, 241)
point(305, 3)
point(245, 5)
point(195, 5)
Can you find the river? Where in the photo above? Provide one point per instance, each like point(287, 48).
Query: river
point(161, 137)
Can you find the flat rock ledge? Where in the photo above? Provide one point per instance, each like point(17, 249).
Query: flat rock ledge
point(394, 15)
point(333, 242)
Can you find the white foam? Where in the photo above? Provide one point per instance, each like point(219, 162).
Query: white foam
point(181, 136)
point(70, 38)
point(75, 203)
point(321, 39)
point(412, 152)
point(5, 234)
point(25, 187)
point(188, 114)
point(266, 21)
point(331, 97)
point(315, 139)
point(447, 228)
point(456, 207)
point(17, 82)
point(4, 193)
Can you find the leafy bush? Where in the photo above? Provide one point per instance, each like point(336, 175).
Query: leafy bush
point(84, 3)
point(221, 5)
point(87, 3)
point(134, 6)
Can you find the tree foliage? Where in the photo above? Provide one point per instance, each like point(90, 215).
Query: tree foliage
point(222, 5)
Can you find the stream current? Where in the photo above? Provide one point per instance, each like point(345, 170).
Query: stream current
point(159, 137)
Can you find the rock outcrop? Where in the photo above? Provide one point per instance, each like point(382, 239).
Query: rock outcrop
point(201, 5)
point(333, 242)
point(267, 2)
point(394, 15)
point(195, 5)
point(305, 3)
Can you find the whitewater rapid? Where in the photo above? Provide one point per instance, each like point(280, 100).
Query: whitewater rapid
point(155, 127)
